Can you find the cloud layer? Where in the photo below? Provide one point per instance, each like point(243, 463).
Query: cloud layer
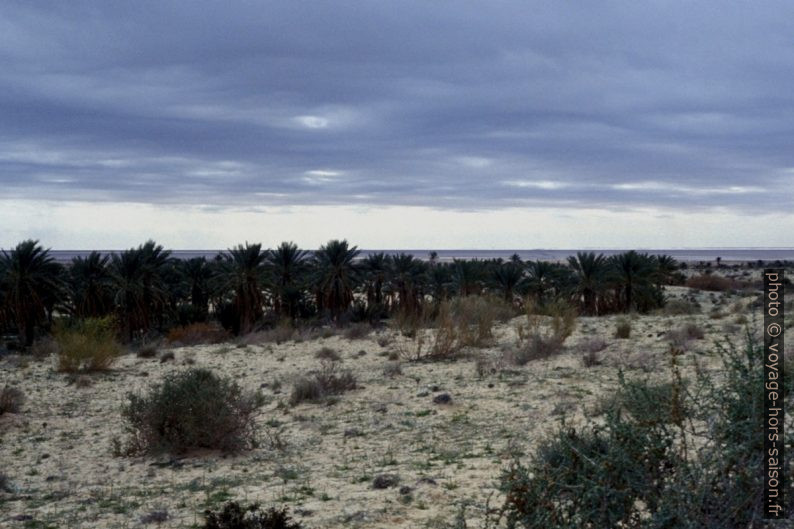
point(448, 105)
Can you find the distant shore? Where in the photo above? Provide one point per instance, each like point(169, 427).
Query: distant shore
point(691, 255)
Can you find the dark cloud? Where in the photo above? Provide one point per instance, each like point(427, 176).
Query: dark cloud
point(451, 105)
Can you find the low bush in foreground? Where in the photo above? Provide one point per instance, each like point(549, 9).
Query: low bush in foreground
point(664, 456)
point(87, 345)
point(233, 516)
point(191, 409)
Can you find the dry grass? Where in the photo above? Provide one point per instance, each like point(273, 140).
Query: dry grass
point(197, 334)
point(712, 283)
point(89, 345)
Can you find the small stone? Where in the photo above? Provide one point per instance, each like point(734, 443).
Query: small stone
point(442, 398)
point(405, 490)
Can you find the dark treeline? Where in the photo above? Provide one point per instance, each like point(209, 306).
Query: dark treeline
point(249, 287)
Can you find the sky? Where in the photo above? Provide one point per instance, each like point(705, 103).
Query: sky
point(404, 124)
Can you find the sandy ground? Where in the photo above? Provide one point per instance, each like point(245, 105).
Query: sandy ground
point(58, 451)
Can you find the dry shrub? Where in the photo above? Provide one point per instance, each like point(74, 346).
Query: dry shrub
point(711, 282)
point(543, 336)
point(44, 348)
point(680, 307)
point(592, 345)
point(623, 329)
point(197, 334)
point(392, 369)
point(147, 351)
point(681, 336)
point(474, 316)
point(462, 322)
point(281, 333)
point(189, 410)
point(357, 331)
point(486, 365)
point(88, 345)
point(409, 322)
point(11, 400)
point(328, 381)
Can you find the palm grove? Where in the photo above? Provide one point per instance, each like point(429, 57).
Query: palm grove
point(146, 290)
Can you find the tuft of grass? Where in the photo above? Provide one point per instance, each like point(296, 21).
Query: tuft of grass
point(328, 381)
point(623, 329)
point(87, 345)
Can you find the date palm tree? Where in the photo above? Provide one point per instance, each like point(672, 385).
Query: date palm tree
point(157, 264)
point(667, 271)
point(590, 274)
point(375, 269)
point(467, 275)
point(90, 285)
point(336, 273)
point(540, 280)
point(31, 282)
point(126, 270)
point(287, 265)
point(242, 277)
point(506, 277)
point(196, 276)
point(407, 278)
point(632, 275)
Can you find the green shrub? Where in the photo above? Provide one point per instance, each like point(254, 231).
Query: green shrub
point(87, 345)
point(664, 456)
point(191, 409)
point(233, 516)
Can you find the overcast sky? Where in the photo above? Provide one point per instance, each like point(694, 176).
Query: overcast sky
point(397, 124)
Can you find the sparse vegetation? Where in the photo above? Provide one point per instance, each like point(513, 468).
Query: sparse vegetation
point(543, 336)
